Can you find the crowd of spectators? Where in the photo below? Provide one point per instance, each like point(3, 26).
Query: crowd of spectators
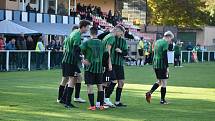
point(86, 12)
point(19, 60)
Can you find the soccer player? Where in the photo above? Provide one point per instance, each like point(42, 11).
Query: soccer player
point(62, 92)
point(71, 59)
point(140, 47)
point(177, 54)
point(161, 67)
point(93, 50)
point(117, 48)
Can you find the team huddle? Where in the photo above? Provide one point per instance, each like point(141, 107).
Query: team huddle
point(103, 61)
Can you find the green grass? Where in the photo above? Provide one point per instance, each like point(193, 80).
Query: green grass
point(27, 96)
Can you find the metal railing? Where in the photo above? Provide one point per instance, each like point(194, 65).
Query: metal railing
point(187, 56)
point(31, 60)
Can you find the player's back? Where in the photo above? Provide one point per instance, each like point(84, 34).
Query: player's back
point(160, 50)
point(75, 36)
point(160, 46)
point(95, 50)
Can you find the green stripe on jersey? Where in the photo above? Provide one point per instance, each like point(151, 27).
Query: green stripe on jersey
point(93, 50)
point(118, 59)
point(159, 50)
point(70, 42)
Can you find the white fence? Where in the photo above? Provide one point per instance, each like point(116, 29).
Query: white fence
point(186, 56)
point(30, 58)
point(49, 59)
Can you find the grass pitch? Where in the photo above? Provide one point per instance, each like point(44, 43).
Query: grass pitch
point(31, 96)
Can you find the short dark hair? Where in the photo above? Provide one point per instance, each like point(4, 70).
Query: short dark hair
point(93, 31)
point(74, 28)
point(84, 23)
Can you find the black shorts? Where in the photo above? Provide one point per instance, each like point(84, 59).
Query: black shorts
point(93, 78)
point(161, 73)
point(140, 51)
point(109, 76)
point(177, 56)
point(70, 70)
point(119, 72)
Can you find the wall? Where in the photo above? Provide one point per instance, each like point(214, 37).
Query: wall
point(13, 5)
point(105, 5)
point(2, 4)
point(200, 37)
point(209, 35)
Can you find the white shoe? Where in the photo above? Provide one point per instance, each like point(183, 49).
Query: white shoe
point(97, 104)
point(80, 100)
point(106, 107)
point(109, 103)
point(58, 101)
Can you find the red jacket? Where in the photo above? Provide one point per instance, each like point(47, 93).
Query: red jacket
point(2, 44)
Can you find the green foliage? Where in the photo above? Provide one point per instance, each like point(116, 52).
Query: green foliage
point(210, 10)
point(180, 13)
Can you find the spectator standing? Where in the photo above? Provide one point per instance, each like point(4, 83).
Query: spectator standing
point(195, 52)
point(21, 56)
point(89, 8)
point(58, 55)
point(39, 53)
point(189, 47)
point(2, 55)
point(30, 43)
point(140, 48)
point(109, 19)
point(29, 8)
point(51, 10)
point(11, 45)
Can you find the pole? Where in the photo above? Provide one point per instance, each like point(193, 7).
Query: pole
point(208, 56)
point(56, 2)
point(7, 60)
point(49, 59)
point(41, 6)
point(29, 60)
point(69, 8)
point(188, 57)
point(75, 5)
point(146, 21)
point(23, 5)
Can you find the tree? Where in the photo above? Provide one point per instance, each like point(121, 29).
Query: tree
point(210, 10)
point(180, 13)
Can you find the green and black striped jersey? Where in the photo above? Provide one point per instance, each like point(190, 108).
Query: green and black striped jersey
point(118, 58)
point(73, 40)
point(109, 40)
point(115, 42)
point(93, 50)
point(177, 49)
point(160, 50)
